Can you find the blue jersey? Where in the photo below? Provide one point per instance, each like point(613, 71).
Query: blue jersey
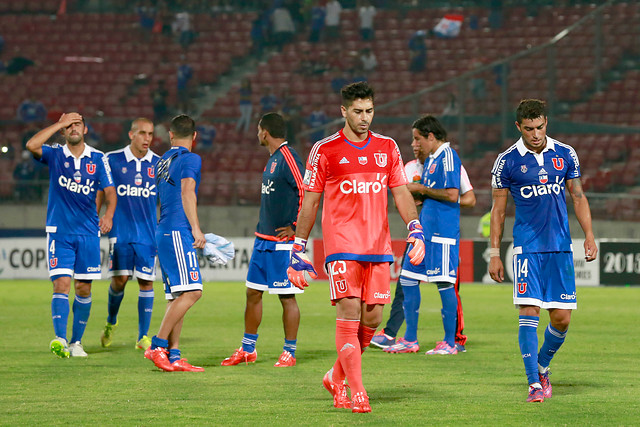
point(536, 183)
point(135, 218)
point(175, 165)
point(72, 189)
point(438, 217)
point(282, 192)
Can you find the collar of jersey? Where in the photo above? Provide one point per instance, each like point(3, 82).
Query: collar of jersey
point(439, 150)
point(353, 144)
point(522, 149)
point(128, 154)
point(85, 153)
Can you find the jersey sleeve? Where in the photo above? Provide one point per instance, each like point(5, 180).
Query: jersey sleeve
point(316, 173)
point(47, 154)
point(452, 172)
point(465, 183)
point(106, 180)
point(500, 177)
point(573, 164)
point(191, 166)
point(397, 176)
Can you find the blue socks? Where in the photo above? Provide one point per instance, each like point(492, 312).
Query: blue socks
point(113, 306)
point(174, 355)
point(449, 312)
point(60, 314)
point(290, 346)
point(553, 339)
point(411, 305)
point(158, 342)
point(249, 342)
point(528, 340)
point(81, 311)
point(145, 309)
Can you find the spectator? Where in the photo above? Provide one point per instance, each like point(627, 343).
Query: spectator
point(332, 19)
point(246, 105)
point(366, 13)
point(368, 59)
point(159, 100)
point(339, 79)
point(283, 27)
point(184, 74)
point(18, 63)
point(206, 135)
point(258, 36)
point(24, 175)
point(268, 102)
point(318, 15)
point(31, 111)
point(316, 119)
point(418, 51)
point(146, 17)
point(182, 29)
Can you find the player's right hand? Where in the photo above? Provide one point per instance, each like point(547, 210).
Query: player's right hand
point(300, 263)
point(496, 269)
point(416, 238)
point(69, 118)
point(198, 239)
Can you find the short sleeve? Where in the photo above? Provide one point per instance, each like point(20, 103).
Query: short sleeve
point(191, 167)
point(573, 164)
point(397, 176)
point(104, 170)
point(47, 154)
point(465, 183)
point(316, 173)
point(499, 175)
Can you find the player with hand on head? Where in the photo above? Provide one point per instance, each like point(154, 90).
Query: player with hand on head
point(177, 237)
point(132, 251)
point(280, 203)
point(76, 172)
point(535, 170)
point(353, 168)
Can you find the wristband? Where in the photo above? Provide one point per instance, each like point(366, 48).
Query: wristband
point(300, 241)
point(494, 252)
point(412, 224)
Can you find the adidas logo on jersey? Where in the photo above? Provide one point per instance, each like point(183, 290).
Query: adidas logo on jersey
point(344, 161)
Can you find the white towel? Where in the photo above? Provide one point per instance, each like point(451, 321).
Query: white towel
point(218, 250)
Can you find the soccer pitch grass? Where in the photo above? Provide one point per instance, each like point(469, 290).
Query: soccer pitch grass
point(595, 374)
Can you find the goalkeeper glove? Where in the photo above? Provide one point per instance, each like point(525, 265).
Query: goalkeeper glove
point(416, 238)
point(300, 263)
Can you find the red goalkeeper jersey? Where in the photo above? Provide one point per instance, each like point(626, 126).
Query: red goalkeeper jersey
point(354, 177)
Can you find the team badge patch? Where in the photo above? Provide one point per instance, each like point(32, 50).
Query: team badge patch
point(66, 164)
point(558, 163)
point(77, 177)
point(91, 168)
point(124, 170)
point(194, 275)
point(522, 288)
point(432, 168)
point(381, 159)
point(53, 262)
point(523, 169)
point(543, 179)
point(273, 167)
point(138, 179)
point(362, 160)
point(151, 172)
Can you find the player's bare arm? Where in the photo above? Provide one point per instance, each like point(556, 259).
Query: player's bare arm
point(190, 205)
point(307, 215)
point(468, 199)
point(99, 200)
point(110, 201)
point(446, 194)
point(34, 145)
point(405, 204)
point(498, 213)
point(583, 213)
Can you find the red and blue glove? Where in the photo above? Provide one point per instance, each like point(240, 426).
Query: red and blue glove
point(416, 238)
point(300, 263)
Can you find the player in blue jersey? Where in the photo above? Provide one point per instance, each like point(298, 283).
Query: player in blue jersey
point(76, 173)
point(439, 190)
point(535, 170)
point(177, 237)
point(132, 240)
point(280, 203)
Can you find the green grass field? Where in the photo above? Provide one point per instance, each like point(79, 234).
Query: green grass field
point(595, 375)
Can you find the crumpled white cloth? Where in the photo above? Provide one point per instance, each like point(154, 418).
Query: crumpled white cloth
point(218, 250)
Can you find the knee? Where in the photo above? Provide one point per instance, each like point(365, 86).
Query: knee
point(118, 283)
point(253, 296)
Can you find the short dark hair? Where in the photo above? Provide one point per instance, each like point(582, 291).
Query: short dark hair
point(531, 109)
point(429, 124)
point(357, 90)
point(182, 126)
point(274, 124)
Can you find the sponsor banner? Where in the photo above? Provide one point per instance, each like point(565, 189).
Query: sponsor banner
point(26, 258)
point(587, 273)
point(619, 262)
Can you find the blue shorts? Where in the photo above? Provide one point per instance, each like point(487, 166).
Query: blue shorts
point(440, 262)
point(74, 255)
point(268, 268)
point(178, 263)
point(132, 259)
point(546, 280)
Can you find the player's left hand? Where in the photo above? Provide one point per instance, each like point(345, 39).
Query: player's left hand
point(416, 238)
point(590, 249)
point(198, 239)
point(105, 224)
point(285, 233)
point(300, 263)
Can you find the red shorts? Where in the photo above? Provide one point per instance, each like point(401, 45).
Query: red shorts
point(368, 281)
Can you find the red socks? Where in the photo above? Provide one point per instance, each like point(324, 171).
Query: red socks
point(351, 340)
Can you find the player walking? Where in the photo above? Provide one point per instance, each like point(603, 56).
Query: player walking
point(535, 170)
point(132, 240)
point(76, 172)
point(279, 206)
point(177, 237)
point(354, 167)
